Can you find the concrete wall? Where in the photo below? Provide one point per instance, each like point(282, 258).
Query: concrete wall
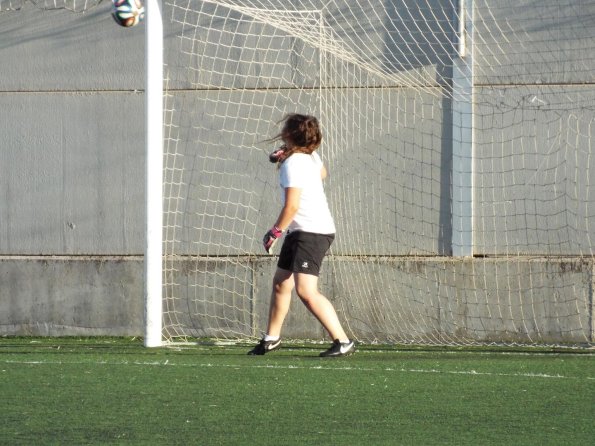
point(71, 174)
point(534, 101)
point(420, 300)
point(72, 171)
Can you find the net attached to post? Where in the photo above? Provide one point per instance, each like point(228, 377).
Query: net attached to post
point(458, 137)
point(382, 78)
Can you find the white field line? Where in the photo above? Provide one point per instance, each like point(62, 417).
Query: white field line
point(167, 363)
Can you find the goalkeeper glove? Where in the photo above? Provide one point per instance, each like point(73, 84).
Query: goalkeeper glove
point(278, 155)
point(270, 238)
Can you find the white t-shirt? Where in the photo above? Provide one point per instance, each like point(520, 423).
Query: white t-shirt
point(302, 171)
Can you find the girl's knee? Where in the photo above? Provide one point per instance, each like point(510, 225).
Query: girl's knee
point(283, 286)
point(307, 295)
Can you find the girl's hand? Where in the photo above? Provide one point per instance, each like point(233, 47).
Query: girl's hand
point(278, 155)
point(270, 238)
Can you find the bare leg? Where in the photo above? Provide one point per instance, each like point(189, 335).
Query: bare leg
point(319, 306)
point(280, 300)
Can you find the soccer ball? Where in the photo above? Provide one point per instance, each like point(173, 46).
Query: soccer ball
point(128, 12)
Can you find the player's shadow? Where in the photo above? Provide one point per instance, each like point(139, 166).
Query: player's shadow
point(419, 44)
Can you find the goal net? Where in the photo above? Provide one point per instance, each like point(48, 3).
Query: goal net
point(458, 138)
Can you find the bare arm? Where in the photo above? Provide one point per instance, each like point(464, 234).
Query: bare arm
point(323, 172)
point(292, 204)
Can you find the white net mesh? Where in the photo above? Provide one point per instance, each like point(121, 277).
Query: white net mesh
point(394, 96)
point(458, 137)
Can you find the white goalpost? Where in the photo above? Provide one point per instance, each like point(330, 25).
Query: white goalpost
point(154, 174)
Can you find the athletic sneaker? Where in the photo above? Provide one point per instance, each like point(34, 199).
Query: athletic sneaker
point(265, 346)
point(339, 349)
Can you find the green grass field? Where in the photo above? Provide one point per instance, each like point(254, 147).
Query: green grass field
point(115, 391)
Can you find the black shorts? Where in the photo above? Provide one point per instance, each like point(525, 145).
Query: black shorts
point(302, 252)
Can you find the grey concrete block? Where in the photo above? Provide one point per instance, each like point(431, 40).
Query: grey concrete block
point(534, 169)
point(480, 300)
point(57, 50)
point(72, 174)
point(208, 297)
point(71, 296)
point(394, 300)
point(528, 42)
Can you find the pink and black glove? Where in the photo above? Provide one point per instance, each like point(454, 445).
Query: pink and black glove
point(278, 155)
point(270, 238)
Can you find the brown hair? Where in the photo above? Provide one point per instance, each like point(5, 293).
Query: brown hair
point(302, 131)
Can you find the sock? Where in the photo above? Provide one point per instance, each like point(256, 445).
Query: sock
point(268, 338)
point(344, 341)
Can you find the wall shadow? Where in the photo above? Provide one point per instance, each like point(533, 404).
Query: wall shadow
point(422, 39)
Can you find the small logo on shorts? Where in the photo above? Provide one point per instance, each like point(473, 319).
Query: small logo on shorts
point(305, 265)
